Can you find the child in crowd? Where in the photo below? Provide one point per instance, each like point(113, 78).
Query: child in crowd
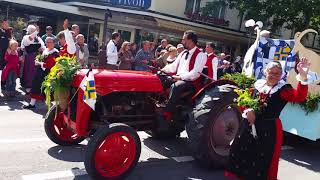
point(11, 70)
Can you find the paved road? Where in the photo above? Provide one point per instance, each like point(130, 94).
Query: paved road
point(26, 153)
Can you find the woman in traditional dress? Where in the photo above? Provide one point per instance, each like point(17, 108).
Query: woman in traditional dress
point(43, 69)
point(32, 44)
point(255, 152)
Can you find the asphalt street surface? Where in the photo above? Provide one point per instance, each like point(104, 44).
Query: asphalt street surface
point(26, 153)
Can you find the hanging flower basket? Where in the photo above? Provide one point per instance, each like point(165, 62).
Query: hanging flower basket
point(61, 97)
point(58, 81)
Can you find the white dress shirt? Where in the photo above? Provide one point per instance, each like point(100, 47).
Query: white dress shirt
point(181, 65)
point(112, 53)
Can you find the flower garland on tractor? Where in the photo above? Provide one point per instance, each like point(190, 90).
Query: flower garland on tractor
point(246, 98)
point(58, 81)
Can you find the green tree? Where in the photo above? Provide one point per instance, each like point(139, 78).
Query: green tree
point(295, 15)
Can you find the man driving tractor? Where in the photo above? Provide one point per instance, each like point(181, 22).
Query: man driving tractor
point(187, 68)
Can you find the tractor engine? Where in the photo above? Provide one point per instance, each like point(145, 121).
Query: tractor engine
point(134, 109)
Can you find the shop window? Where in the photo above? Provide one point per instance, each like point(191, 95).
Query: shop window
point(215, 9)
point(137, 37)
point(125, 35)
point(197, 6)
point(147, 36)
point(93, 38)
point(189, 6)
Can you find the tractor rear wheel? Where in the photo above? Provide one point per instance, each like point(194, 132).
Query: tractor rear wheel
point(112, 152)
point(213, 124)
point(57, 131)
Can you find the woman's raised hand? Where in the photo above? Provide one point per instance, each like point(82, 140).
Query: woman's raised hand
point(303, 68)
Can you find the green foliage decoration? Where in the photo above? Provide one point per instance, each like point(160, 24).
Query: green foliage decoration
point(242, 80)
point(311, 104)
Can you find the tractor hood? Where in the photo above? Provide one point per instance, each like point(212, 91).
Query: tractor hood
point(108, 81)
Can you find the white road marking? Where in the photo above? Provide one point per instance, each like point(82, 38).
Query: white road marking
point(283, 148)
point(12, 141)
point(302, 162)
point(55, 175)
point(183, 159)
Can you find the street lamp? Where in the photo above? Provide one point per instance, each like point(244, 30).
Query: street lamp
point(102, 55)
point(251, 25)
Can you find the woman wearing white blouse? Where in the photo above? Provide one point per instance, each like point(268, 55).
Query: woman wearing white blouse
point(31, 44)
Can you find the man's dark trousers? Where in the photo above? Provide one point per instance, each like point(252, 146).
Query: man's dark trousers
point(177, 89)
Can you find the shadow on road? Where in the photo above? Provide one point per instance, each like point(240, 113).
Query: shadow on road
point(169, 148)
point(305, 153)
point(171, 170)
point(160, 169)
point(68, 153)
point(150, 168)
point(16, 104)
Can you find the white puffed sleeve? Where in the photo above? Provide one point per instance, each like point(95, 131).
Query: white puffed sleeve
point(71, 46)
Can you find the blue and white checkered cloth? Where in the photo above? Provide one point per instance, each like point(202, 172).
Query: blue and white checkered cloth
point(274, 50)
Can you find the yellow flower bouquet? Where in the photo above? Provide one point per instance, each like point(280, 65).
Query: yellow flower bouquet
point(246, 99)
point(58, 81)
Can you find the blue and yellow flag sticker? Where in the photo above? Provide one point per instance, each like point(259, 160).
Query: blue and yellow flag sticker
point(90, 91)
point(282, 53)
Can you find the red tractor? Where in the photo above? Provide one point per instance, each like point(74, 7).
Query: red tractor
point(128, 101)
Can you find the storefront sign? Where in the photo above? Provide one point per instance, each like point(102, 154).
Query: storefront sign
point(207, 19)
point(141, 4)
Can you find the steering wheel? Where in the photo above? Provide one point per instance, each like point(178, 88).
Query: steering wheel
point(159, 71)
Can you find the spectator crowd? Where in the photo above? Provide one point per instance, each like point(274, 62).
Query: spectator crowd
point(19, 59)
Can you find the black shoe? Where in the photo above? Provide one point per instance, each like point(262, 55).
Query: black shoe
point(29, 106)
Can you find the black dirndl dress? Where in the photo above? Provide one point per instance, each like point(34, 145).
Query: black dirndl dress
point(250, 158)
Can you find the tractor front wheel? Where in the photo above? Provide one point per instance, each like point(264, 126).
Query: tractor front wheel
point(112, 152)
point(57, 131)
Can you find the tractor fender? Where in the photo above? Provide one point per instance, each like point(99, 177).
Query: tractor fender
point(214, 84)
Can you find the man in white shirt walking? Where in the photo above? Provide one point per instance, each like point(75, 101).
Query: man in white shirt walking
point(112, 51)
point(187, 68)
